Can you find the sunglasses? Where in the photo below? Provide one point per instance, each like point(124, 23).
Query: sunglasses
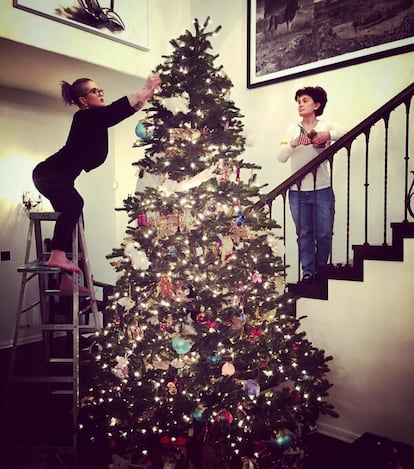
point(96, 91)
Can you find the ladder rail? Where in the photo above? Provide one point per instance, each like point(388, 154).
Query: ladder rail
point(30, 271)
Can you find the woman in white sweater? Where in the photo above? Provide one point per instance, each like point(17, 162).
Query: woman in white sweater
point(312, 204)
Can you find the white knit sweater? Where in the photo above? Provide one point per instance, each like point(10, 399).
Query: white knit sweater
point(302, 154)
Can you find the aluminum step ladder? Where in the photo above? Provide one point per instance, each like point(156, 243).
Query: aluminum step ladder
point(57, 383)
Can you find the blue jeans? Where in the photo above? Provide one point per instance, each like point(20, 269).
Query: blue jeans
point(314, 226)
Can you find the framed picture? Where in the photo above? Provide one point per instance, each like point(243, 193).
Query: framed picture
point(292, 38)
point(124, 21)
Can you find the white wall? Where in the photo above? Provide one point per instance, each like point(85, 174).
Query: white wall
point(368, 328)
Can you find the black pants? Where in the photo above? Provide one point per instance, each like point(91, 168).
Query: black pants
point(59, 188)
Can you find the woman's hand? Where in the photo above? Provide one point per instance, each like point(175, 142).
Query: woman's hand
point(321, 137)
point(138, 99)
point(153, 82)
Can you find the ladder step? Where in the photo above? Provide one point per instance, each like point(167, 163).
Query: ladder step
point(38, 266)
point(58, 327)
point(43, 379)
point(62, 392)
point(60, 360)
point(44, 216)
point(59, 293)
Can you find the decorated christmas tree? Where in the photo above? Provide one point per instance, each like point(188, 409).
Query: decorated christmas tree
point(202, 363)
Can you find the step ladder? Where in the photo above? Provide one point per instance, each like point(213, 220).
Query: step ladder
point(65, 383)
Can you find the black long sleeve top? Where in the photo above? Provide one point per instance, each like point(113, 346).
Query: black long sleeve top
point(86, 147)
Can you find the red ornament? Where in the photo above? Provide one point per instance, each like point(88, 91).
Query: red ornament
point(142, 219)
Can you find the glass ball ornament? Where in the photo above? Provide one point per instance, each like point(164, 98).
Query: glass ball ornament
point(224, 416)
point(282, 439)
point(181, 345)
point(144, 130)
point(252, 388)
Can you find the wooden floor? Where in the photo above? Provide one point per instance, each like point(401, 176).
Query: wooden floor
point(35, 414)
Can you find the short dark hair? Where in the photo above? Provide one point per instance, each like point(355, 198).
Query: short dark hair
point(317, 93)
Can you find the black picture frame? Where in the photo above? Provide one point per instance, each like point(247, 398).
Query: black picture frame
point(288, 39)
point(123, 21)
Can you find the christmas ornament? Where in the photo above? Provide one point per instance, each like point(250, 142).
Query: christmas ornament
point(257, 277)
point(176, 104)
point(181, 345)
point(252, 388)
point(127, 303)
point(144, 130)
point(198, 413)
point(282, 438)
point(213, 358)
point(165, 287)
point(120, 370)
point(139, 259)
point(172, 388)
point(224, 416)
point(228, 369)
point(142, 219)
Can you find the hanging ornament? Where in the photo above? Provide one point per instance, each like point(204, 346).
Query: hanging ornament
point(238, 233)
point(228, 369)
point(139, 259)
point(126, 302)
point(165, 287)
point(213, 358)
point(282, 438)
point(257, 277)
point(187, 221)
point(166, 225)
point(178, 103)
point(144, 130)
point(142, 219)
point(198, 413)
point(226, 248)
point(224, 416)
point(181, 345)
point(133, 329)
point(120, 370)
point(172, 388)
point(185, 133)
point(178, 363)
point(252, 388)
point(238, 174)
point(240, 218)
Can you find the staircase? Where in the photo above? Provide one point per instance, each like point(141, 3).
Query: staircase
point(374, 189)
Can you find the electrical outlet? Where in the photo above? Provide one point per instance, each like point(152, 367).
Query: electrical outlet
point(5, 256)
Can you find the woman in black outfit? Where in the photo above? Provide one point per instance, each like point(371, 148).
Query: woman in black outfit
point(86, 148)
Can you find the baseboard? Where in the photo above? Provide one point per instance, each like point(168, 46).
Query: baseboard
point(29, 340)
point(337, 433)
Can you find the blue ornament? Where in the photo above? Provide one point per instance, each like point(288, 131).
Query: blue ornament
point(181, 345)
point(198, 414)
point(213, 358)
point(251, 387)
point(144, 130)
point(284, 439)
point(240, 218)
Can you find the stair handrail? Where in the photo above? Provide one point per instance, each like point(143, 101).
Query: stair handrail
point(403, 97)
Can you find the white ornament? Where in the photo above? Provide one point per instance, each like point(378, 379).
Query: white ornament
point(139, 259)
point(177, 104)
point(126, 302)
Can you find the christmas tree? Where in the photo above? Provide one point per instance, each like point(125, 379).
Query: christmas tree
point(202, 364)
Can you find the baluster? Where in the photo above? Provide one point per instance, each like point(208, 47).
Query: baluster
point(366, 184)
point(348, 201)
point(330, 161)
point(386, 122)
point(407, 197)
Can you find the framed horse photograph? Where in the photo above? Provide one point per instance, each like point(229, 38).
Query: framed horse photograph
point(292, 38)
point(124, 21)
